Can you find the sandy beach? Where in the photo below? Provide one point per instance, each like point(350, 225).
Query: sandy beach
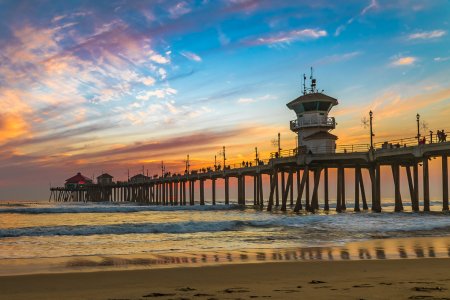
point(374, 279)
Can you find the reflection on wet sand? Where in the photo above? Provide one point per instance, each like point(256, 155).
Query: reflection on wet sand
point(378, 249)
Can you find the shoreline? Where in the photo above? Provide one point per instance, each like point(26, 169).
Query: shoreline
point(377, 249)
point(370, 279)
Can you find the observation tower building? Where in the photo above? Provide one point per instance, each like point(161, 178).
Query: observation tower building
point(313, 124)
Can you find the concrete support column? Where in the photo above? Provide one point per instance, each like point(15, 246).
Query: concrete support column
point(444, 183)
point(213, 192)
point(227, 190)
point(416, 187)
point(357, 169)
point(325, 187)
point(426, 185)
point(202, 192)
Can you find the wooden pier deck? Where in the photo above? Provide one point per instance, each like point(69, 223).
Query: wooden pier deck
point(280, 170)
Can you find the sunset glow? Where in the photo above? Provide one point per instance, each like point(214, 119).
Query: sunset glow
point(112, 86)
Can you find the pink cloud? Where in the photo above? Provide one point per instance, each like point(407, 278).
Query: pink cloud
point(179, 9)
point(191, 56)
point(288, 37)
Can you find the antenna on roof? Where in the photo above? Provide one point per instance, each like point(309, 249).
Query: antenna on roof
point(304, 84)
point(313, 82)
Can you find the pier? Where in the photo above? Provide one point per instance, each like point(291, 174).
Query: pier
point(302, 170)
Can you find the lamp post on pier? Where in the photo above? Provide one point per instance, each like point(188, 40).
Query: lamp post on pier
point(256, 156)
point(187, 164)
point(418, 128)
point(371, 129)
point(224, 157)
point(279, 145)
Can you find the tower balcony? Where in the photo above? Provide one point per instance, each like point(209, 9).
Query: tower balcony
point(327, 122)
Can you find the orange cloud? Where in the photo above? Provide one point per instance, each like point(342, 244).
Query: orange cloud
point(12, 117)
point(404, 61)
point(12, 126)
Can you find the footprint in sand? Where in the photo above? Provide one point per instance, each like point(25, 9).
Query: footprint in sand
point(316, 282)
point(235, 290)
point(152, 295)
point(428, 289)
point(364, 285)
point(186, 289)
point(287, 291)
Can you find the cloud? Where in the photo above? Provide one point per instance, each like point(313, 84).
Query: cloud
point(426, 35)
point(159, 93)
point(246, 100)
point(162, 73)
point(288, 37)
point(372, 5)
point(252, 100)
point(439, 59)
point(64, 134)
point(148, 81)
point(393, 104)
point(179, 9)
point(12, 126)
point(337, 58)
point(191, 56)
point(158, 58)
point(404, 61)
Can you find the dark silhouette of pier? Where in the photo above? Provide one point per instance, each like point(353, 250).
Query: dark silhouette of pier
point(308, 169)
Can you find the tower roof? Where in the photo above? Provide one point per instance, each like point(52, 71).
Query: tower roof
point(320, 136)
point(105, 175)
point(312, 97)
point(79, 179)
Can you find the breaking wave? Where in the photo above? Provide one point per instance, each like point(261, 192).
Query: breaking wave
point(380, 225)
point(111, 209)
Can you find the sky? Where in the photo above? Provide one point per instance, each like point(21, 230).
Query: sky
point(112, 86)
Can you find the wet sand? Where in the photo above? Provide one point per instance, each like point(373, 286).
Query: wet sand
point(365, 279)
point(381, 249)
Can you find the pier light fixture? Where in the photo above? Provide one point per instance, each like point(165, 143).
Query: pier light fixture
point(277, 143)
point(418, 128)
point(187, 164)
point(223, 154)
point(313, 125)
point(371, 129)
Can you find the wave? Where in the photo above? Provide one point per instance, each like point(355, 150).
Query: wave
point(111, 209)
point(127, 228)
point(344, 224)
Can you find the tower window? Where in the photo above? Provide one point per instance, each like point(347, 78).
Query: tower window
point(324, 106)
point(310, 106)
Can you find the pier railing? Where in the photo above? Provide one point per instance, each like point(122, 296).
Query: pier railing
point(352, 148)
point(411, 141)
point(315, 121)
point(321, 150)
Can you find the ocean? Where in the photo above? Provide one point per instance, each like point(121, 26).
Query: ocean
point(61, 237)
